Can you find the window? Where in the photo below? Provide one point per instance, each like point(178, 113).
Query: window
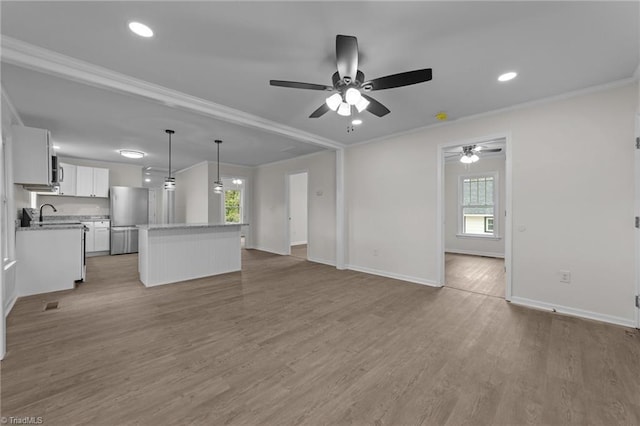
point(233, 206)
point(477, 205)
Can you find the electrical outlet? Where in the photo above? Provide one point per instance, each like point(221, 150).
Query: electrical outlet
point(565, 276)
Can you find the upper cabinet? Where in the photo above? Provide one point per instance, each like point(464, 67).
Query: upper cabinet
point(67, 179)
point(92, 182)
point(32, 156)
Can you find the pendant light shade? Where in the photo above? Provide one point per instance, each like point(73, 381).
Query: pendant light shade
point(217, 184)
point(169, 182)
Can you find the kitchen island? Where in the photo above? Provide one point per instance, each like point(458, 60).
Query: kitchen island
point(183, 251)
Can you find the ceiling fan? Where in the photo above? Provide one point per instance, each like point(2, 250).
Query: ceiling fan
point(469, 153)
point(349, 83)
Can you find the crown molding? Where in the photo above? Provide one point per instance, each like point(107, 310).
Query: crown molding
point(13, 113)
point(538, 102)
point(25, 55)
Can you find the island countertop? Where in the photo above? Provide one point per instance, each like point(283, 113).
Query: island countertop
point(158, 227)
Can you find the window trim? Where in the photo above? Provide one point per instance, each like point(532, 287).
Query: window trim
point(496, 206)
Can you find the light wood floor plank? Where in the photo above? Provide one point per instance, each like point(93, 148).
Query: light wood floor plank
point(287, 341)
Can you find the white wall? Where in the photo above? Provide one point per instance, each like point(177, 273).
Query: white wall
point(191, 194)
point(470, 245)
point(270, 207)
point(573, 170)
point(298, 208)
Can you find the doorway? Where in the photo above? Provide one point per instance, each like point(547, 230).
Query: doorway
point(474, 234)
point(298, 214)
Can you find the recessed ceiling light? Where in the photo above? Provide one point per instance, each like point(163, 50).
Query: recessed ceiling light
point(131, 154)
point(147, 180)
point(140, 29)
point(56, 147)
point(356, 122)
point(507, 76)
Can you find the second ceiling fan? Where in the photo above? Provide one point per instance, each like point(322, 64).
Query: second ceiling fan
point(349, 83)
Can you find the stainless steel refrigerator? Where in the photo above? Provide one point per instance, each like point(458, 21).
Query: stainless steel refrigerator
point(129, 207)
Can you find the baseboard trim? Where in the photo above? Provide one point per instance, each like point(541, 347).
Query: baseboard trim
point(393, 275)
point(9, 306)
point(522, 301)
point(298, 243)
point(269, 250)
point(475, 253)
point(323, 261)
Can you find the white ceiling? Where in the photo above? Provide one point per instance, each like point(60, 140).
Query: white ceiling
point(226, 53)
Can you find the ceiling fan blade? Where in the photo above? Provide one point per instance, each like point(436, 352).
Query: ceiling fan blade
point(399, 80)
point(375, 107)
point(320, 111)
point(298, 85)
point(347, 56)
point(490, 150)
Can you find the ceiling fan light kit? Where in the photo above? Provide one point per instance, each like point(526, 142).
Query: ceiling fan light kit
point(349, 83)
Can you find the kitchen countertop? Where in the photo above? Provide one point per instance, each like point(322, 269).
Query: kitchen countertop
point(159, 227)
point(51, 227)
point(77, 218)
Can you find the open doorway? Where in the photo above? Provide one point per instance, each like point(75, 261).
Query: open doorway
point(298, 214)
point(474, 249)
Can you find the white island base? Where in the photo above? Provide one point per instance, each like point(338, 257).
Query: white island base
point(179, 252)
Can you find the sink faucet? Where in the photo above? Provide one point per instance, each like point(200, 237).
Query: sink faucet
point(51, 205)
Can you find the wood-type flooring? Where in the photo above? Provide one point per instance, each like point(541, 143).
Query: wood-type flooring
point(287, 341)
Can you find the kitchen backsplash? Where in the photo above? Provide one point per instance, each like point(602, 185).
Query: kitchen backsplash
point(74, 206)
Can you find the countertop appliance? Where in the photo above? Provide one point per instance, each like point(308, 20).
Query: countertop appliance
point(129, 207)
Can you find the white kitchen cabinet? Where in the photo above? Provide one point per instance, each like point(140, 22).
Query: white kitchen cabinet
point(97, 236)
point(101, 236)
point(100, 182)
point(68, 179)
point(48, 260)
point(32, 153)
point(92, 182)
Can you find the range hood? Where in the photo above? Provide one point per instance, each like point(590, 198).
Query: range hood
point(42, 189)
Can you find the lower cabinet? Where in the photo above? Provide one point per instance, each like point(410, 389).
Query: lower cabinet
point(97, 236)
point(48, 260)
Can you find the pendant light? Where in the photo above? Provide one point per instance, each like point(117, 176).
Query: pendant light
point(217, 185)
point(169, 182)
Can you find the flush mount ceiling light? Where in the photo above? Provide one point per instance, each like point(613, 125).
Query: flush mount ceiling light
point(140, 29)
point(217, 185)
point(169, 182)
point(507, 76)
point(131, 154)
point(356, 122)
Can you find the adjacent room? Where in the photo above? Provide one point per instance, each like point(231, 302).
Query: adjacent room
point(357, 212)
